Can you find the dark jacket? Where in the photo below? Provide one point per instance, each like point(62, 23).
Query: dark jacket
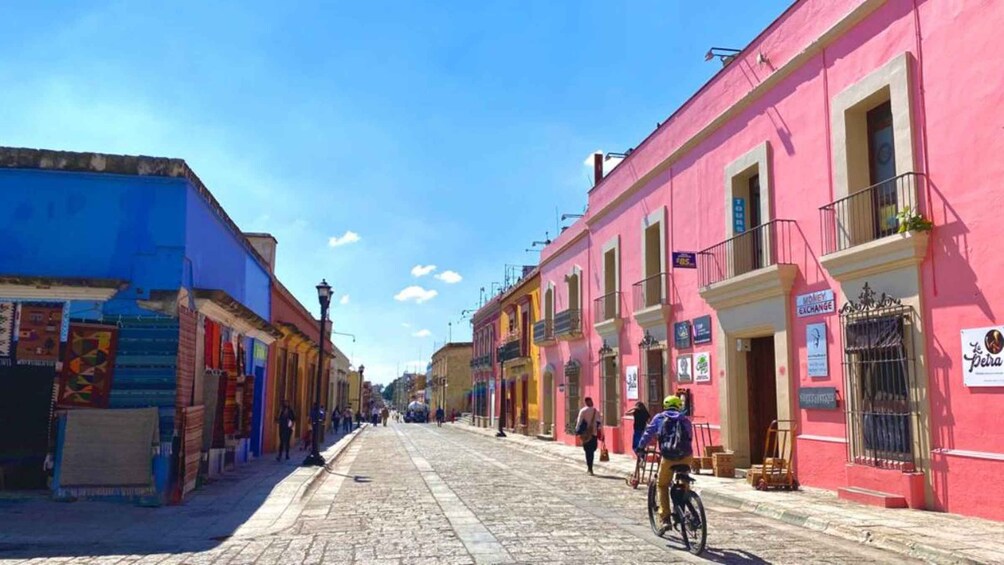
point(652, 431)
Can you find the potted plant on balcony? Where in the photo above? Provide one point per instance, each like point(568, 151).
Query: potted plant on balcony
point(910, 220)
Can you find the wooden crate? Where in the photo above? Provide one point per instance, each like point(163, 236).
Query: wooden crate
point(724, 464)
point(710, 450)
point(702, 464)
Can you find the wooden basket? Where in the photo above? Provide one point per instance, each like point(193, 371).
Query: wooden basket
point(724, 464)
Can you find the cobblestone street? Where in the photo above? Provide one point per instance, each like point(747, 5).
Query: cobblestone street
point(421, 494)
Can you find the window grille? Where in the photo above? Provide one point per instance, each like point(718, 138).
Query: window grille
point(611, 393)
point(879, 370)
point(571, 396)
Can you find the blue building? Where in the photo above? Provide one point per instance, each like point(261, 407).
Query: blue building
point(134, 323)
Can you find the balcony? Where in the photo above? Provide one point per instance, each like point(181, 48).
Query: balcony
point(568, 324)
point(511, 350)
point(543, 332)
point(861, 232)
point(753, 265)
point(651, 300)
point(607, 314)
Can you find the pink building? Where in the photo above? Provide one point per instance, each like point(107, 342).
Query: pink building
point(815, 300)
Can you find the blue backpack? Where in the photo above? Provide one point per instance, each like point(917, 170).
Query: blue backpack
point(674, 442)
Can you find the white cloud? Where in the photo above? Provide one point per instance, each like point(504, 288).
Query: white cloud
point(421, 333)
point(416, 293)
point(422, 270)
point(344, 300)
point(450, 277)
point(405, 325)
point(348, 237)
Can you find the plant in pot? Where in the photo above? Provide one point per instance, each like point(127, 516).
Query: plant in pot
point(910, 220)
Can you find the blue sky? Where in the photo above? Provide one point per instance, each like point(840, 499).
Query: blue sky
point(440, 133)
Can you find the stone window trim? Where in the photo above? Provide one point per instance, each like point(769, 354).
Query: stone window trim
point(656, 217)
point(892, 81)
point(737, 171)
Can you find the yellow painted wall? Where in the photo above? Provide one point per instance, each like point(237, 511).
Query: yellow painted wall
point(515, 297)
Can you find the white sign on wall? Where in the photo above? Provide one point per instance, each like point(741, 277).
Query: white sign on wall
point(983, 356)
point(815, 344)
point(702, 367)
point(819, 302)
point(632, 382)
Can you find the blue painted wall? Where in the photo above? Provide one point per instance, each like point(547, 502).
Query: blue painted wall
point(63, 224)
point(217, 259)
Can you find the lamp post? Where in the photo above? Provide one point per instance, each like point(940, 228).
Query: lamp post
point(315, 459)
point(361, 369)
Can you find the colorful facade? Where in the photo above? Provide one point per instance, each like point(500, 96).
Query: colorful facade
point(518, 312)
point(129, 292)
point(484, 369)
point(450, 385)
point(767, 249)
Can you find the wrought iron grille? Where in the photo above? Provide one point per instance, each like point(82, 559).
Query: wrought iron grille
point(607, 307)
point(571, 397)
point(611, 392)
point(568, 323)
point(879, 369)
point(870, 213)
point(762, 246)
point(651, 291)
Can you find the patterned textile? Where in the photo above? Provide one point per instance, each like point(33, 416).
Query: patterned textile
point(38, 333)
point(7, 312)
point(230, 422)
point(107, 452)
point(86, 379)
point(212, 345)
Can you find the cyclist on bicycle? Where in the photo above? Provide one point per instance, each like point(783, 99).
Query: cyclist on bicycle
point(675, 433)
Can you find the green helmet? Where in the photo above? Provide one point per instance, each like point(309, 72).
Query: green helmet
point(672, 402)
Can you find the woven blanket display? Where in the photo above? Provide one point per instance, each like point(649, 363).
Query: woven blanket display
point(88, 364)
point(7, 312)
point(39, 327)
point(109, 451)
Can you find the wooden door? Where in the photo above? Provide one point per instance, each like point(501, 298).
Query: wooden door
point(882, 169)
point(762, 393)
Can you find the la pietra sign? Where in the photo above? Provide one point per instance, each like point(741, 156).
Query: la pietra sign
point(814, 303)
point(983, 356)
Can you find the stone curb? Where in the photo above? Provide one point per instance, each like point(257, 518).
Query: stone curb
point(894, 544)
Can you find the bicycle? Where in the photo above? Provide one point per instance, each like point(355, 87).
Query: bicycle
point(689, 514)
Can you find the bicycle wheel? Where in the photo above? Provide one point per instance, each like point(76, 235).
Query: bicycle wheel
point(695, 525)
point(653, 510)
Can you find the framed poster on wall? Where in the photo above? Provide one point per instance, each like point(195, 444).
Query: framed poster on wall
point(631, 376)
point(702, 367)
point(685, 368)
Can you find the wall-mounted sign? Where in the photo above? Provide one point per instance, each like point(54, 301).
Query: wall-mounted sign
point(815, 342)
point(819, 302)
point(817, 397)
point(684, 260)
point(738, 215)
point(681, 334)
point(684, 368)
point(631, 376)
point(983, 356)
point(702, 330)
point(702, 367)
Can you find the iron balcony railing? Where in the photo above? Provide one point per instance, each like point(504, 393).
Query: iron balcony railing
point(510, 350)
point(869, 214)
point(568, 323)
point(651, 291)
point(607, 307)
point(763, 246)
point(543, 331)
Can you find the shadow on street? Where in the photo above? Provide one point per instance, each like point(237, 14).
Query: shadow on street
point(34, 526)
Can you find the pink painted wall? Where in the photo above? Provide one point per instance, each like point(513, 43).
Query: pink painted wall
point(957, 117)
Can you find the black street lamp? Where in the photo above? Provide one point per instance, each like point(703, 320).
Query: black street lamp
point(500, 353)
point(361, 369)
point(315, 459)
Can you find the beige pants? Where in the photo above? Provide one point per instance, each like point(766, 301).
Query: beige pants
point(665, 478)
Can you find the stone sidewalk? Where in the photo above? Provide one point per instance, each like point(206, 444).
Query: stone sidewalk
point(261, 497)
point(931, 536)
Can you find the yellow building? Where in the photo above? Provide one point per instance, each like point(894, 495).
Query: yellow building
point(451, 377)
point(520, 307)
point(355, 381)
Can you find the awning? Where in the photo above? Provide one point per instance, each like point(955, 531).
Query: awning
point(219, 305)
point(59, 288)
point(874, 333)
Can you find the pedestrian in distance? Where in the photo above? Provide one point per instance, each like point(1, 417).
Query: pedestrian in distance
point(440, 416)
point(336, 418)
point(384, 415)
point(588, 427)
point(359, 419)
point(286, 420)
point(347, 420)
point(641, 416)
